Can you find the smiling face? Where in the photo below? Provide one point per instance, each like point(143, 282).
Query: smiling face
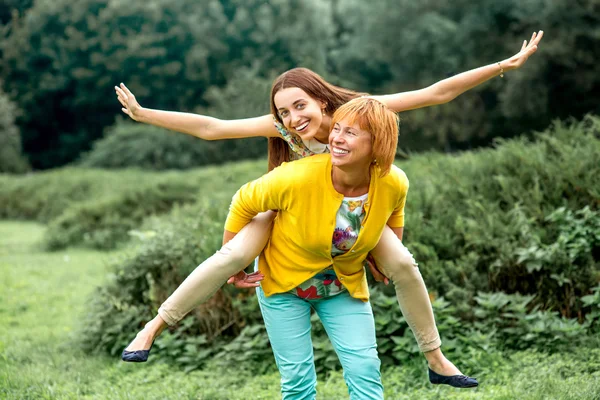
point(299, 112)
point(351, 147)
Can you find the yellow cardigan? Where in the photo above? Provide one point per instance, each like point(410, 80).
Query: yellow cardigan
point(300, 244)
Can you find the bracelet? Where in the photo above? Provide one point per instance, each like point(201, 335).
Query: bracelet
point(501, 70)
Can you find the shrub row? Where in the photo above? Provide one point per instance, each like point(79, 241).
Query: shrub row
point(168, 250)
point(522, 217)
point(105, 223)
point(98, 208)
point(11, 156)
point(44, 196)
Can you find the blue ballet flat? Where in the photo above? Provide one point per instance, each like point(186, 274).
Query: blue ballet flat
point(136, 355)
point(457, 381)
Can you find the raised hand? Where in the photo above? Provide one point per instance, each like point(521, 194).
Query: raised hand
point(242, 280)
point(526, 50)
point(130, 105)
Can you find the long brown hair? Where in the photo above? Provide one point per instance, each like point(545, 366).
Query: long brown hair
point(318, 89)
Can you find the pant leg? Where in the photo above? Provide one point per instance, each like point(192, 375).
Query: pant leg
point(350, 326)
point(396, 262)
point(287, 319)
point(209, 276)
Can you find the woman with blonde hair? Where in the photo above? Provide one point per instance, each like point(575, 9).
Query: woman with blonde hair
point(302, 106)
point(306, 265)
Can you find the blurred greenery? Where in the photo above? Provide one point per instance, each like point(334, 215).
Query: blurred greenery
point(61, 59)
point(11, 158)
point(148, 147)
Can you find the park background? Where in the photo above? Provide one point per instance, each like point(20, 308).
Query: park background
point(103, 217)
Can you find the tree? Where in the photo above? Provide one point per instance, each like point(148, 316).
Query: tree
point(9, 7)
point(61, 60)
point(11, 159)
point(392, 46)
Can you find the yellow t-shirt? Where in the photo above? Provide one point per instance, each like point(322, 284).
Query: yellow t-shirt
point(307, 203)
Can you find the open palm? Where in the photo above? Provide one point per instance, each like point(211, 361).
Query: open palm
point(526, 51)
point(130, 105)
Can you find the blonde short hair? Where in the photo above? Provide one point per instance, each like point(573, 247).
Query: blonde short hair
point(382, 123)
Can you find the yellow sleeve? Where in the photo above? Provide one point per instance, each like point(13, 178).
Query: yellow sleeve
point(396, 220)
point(263, 194)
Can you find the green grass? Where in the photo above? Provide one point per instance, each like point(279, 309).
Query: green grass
point(42, 297)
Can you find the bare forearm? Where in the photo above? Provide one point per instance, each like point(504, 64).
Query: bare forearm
point(201, 126)
point(442, 91)
point(450, 88)
point(193, 124)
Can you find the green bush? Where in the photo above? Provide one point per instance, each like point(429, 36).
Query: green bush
point(11, 158)
point(44, 196)
point(129, 144)
point(98, 208)
point(169, 250)
point(592, 301)
point(105, 223)
point(522, 217)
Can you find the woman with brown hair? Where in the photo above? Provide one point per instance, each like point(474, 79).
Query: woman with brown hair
point(302, 106)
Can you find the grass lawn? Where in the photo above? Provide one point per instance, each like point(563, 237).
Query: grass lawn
point(42, 296)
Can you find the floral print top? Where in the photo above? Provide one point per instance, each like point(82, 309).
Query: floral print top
point(299, 147)
point(348, 223)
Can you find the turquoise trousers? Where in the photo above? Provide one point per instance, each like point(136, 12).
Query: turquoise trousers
point(351, 328)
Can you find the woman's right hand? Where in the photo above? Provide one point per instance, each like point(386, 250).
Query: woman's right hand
point(130, 105)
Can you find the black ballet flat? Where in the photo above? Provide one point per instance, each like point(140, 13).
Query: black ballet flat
point(136, 355)
point(457, 381)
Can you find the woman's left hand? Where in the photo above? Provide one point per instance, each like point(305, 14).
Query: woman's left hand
point(379, 277)
point(242, 280)
point(526, 51)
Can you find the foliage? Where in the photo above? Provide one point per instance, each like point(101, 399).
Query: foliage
point(11, 159)
point(245, 95)
point(45, 196)
point(519, 218)
point(105, 223)
point(170, 248)
point(438, 39)
point(104, 209)
point(8, 8)
point(593, 302)
point(135, 145)
point(61, 59)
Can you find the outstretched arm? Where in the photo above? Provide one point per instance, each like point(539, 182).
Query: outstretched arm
point(201, 126)
point(448, 89)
